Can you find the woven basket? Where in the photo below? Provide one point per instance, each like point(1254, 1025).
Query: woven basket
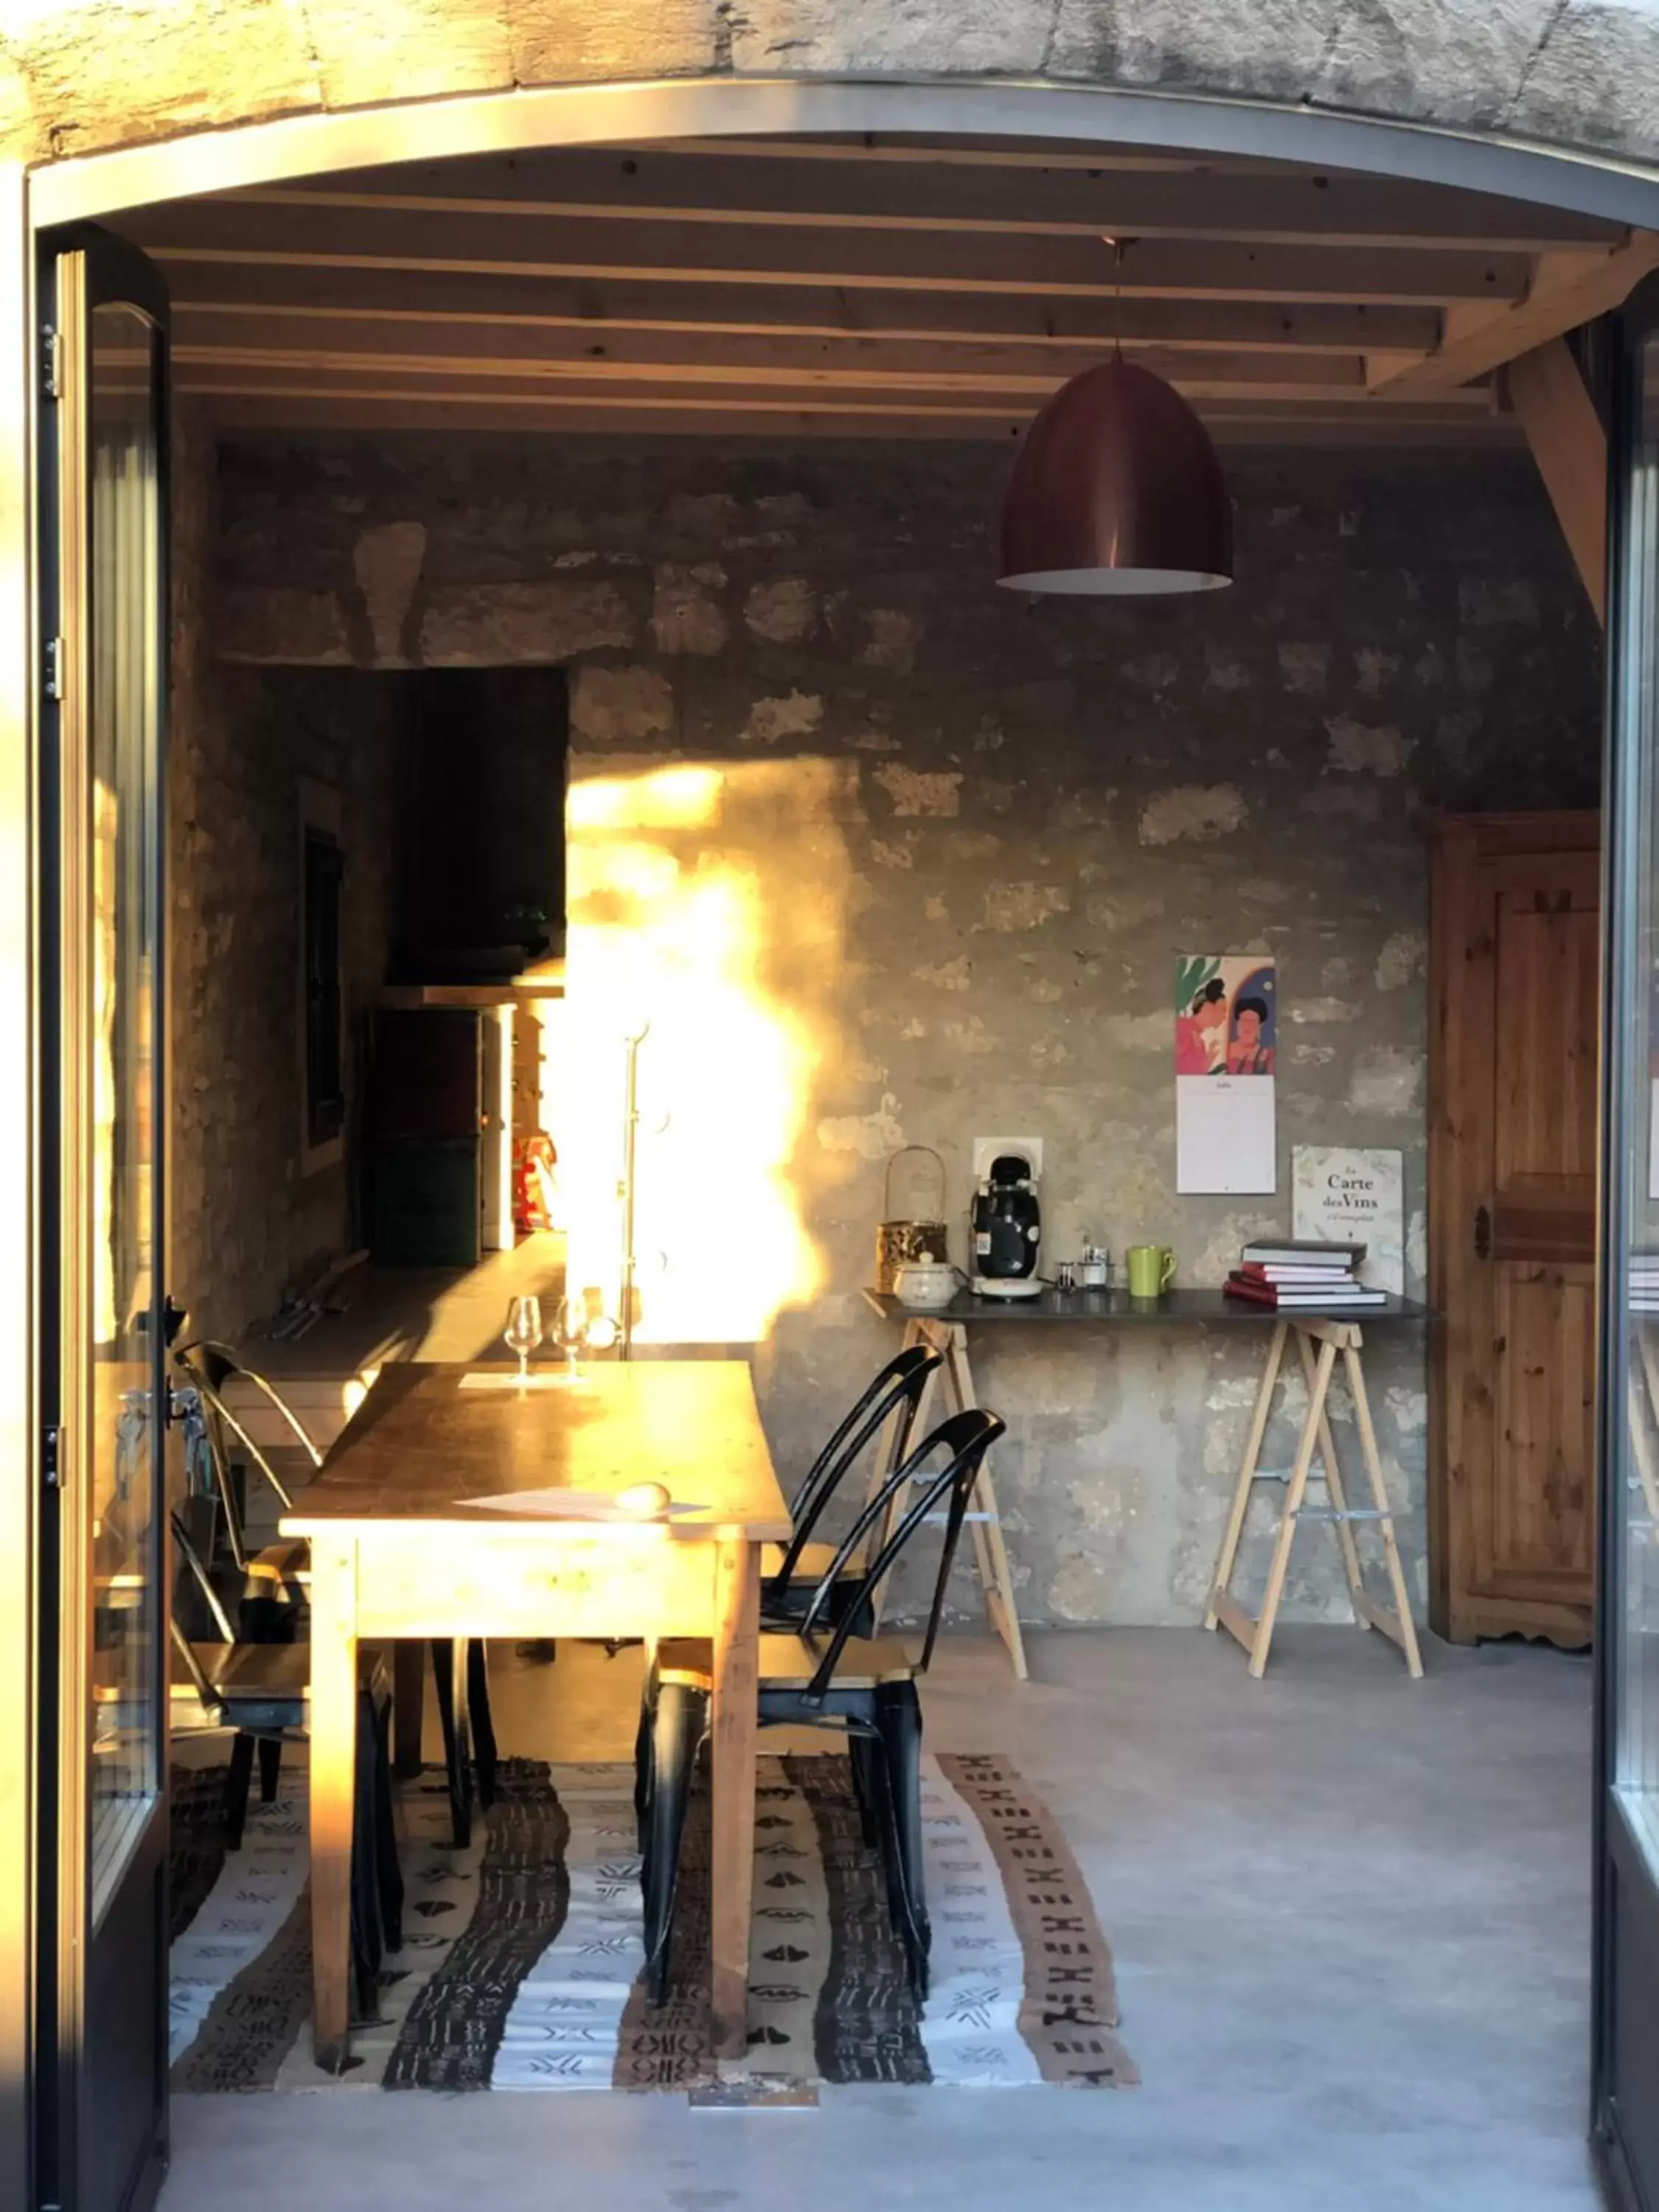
point(899, 1243)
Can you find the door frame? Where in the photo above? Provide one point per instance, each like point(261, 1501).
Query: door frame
point(1458, 843)
point(33, 200)
point(19, 1430)
point(74, 1945)
point(1620, 1872)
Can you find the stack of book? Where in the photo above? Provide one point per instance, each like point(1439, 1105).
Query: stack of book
point(1295, 1277)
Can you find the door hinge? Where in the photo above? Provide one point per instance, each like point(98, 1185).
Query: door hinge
point(51, 361)
point(1482, 1233)
point(52, 1464)
point(53, 671)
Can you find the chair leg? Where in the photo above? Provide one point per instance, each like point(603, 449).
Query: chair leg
point(409, 1700)
point(898, 1717)
point(450, 1678)
point(861, 1752)
point(643, 1771)
point(477, 1706)
point(388, 1872)
point(642, 1747)
point(875, 1791)
point(237, 1785)
point(270, 1767)
point(679, 1722)
point(368, 1940)
point(258, 1621)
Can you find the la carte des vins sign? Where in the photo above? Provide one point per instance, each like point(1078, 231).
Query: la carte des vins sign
point(1343, 1195)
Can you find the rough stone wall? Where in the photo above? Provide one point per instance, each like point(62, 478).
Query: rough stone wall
point(87, 78)
point(247, 1222)
point(970, 835)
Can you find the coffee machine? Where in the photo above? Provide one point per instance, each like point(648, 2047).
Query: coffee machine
point(1006, 1226)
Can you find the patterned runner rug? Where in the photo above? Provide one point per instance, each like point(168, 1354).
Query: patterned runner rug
point(522, 1955)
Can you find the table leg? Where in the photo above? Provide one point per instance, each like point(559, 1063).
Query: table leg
point(333, 1778)
point(409, 1704)
point(733, 1729)
point(1222, 1586)
point(1335, 1495)
point(1406, 1638)
point(996, 1581)
point(1295, 1491)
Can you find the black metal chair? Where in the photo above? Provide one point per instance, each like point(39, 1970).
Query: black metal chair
point(823, 1674)
point(261, 1693)
point(791, 1574)
point(274, 1581)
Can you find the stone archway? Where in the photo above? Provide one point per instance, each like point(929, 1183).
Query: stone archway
point(1575, 75)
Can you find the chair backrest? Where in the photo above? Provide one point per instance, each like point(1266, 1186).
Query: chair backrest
point(897, 1390)
point(194, 1566)
point(961, 1443)
point(207, 1368)
point(211, 1704)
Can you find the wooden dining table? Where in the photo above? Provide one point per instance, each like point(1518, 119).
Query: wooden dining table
point(401, 1548)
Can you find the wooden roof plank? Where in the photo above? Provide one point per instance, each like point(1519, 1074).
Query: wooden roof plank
point(385, 411)
point(699, 253)
point(205, 292)
point(251, 337)
point(490, 391)
point(652, 184)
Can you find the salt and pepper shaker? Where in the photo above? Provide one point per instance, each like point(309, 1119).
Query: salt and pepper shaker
point(1095, 1270)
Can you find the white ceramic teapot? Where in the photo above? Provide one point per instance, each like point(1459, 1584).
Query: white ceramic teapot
point(926, 1282)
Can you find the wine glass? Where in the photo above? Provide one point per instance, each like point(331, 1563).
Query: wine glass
point(570, 1334)
point(523, 1332)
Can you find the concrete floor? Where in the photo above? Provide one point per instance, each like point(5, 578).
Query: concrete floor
point(1351, 1921)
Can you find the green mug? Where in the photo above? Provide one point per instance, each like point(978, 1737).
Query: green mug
point(1152, 1270)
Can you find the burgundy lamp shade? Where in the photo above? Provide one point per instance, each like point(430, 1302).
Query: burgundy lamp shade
point(1117, 491)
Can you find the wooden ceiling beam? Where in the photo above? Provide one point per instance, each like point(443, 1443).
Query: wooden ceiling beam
point(700, 253)
point(1564, 432)
point(206, 293)
point(1563, 290)
point(490, 391)
point(653, 184)
point(249, 337)
point(380, 411)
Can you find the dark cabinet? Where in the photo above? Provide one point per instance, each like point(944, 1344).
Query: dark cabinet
point(425, 1152)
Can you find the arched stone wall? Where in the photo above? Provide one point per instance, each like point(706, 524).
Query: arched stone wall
point(95, 76)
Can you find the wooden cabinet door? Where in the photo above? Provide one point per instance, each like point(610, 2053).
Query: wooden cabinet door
point(1512, 1226)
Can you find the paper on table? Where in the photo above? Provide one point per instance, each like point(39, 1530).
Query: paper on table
point(574, 1505)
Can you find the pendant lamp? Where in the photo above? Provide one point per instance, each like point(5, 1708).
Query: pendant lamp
point(1116, 492)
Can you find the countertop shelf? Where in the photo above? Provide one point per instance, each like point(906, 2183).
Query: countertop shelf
point(1118, 1310)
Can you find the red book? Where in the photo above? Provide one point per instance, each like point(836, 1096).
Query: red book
point(1263, 1270)
point(1301, 1297)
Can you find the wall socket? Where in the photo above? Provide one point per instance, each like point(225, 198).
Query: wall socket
point(986, 1149)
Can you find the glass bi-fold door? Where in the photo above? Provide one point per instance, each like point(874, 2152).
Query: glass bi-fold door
point(103, 1604)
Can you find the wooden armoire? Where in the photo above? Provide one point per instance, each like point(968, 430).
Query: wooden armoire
point(1515, 1016)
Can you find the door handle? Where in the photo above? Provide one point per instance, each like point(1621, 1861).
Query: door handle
point(1482, 1233)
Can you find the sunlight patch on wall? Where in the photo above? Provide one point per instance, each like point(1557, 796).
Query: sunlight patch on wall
point(706, 909)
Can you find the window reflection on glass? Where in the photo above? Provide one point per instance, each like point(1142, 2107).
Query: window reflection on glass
point(123, 611)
